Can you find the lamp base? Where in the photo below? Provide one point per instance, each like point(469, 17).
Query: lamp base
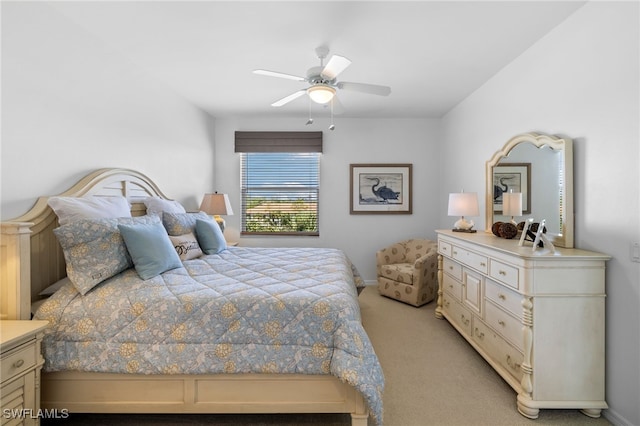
point(468, 231)
point(220, 221)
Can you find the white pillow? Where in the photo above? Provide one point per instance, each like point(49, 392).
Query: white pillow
point(54, 287)
point(156, 205)
point(69, 209)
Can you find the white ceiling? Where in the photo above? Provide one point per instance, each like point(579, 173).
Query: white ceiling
point(433, 54)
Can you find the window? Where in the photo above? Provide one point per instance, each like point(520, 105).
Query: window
point(280, 177)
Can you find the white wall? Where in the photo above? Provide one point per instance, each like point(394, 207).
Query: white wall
point(580, 81)
point(71, 105)
point(415, 141)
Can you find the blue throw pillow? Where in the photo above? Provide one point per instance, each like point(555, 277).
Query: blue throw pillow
point(150, 249)
point(210, 236)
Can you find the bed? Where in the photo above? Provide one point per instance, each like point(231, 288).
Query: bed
point(255, 330)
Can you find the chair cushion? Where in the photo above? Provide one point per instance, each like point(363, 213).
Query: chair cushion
point(401, 272)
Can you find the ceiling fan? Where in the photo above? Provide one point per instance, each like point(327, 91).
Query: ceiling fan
point(322, 80)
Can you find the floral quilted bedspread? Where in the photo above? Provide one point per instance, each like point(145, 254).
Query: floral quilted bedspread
point(244, 310)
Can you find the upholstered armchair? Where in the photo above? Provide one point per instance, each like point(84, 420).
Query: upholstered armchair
point(408, 271)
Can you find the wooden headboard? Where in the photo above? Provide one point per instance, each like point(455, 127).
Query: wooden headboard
point(31, 258)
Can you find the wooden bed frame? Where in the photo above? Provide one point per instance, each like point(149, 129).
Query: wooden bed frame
point(31, 259)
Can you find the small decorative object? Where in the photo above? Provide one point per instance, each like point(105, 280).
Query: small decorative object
point(216, 205)
point(495, 228)
point(380, 188)
point(525, 230)
point(508, 230)
point(541, 239)
point(463, 204)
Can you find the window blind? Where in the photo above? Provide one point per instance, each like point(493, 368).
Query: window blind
point(279, 182)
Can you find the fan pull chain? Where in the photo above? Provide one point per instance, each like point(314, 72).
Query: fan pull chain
point(310, 120)
point(332, 126)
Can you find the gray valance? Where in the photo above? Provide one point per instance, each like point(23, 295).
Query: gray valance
point(278, 142)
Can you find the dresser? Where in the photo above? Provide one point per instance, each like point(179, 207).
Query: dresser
point(538, 318)
point(20, 364)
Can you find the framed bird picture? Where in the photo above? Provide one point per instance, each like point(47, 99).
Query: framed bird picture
point(380, 188)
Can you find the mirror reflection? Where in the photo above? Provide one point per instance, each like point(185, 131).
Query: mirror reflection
point(540, 168)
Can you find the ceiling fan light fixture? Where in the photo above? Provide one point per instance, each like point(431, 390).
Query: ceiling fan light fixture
point(321, 93)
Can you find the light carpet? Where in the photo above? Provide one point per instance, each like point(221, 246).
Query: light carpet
point(433, 377)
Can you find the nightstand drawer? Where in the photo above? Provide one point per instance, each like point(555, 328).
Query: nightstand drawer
point(444, 248)
point(17, 361)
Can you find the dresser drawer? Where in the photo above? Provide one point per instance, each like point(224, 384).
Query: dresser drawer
point(504, 273)
point(444, 248)
point(498, 349)
point(452, 268)
point(18, 360)
point(504, 297)
point(470, 259)
point(509, 327)
point(457, 314)
point(452, 286)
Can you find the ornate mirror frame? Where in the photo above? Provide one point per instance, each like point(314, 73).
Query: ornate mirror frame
point(565, 237)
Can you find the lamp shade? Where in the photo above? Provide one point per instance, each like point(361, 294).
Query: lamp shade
point(463, 204)
point(512, 204)
point(216, 204)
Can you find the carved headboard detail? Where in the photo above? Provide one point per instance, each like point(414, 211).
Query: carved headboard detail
point(31, 258)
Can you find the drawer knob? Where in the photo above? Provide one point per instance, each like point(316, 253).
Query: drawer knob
point(483, 264)
point(451, 268)
point(19, 363)
point(502, 323)
point(479, 333)
point(502, 296)
point(502, 272)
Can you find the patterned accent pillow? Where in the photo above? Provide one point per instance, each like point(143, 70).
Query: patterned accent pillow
point(181, 223)
point(186, 246)
point(94, 249)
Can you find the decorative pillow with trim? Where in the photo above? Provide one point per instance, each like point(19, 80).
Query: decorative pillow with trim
point(186, 246)
point(157, 205)
point(69, 209)
point(150, 248)
point(94, 249)
point(181, 223)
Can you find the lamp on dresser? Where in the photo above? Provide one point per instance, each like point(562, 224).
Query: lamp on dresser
point(217, 205)
point(512, 205)
point(463, 204)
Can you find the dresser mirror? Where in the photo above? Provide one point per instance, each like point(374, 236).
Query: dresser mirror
point(541, 168)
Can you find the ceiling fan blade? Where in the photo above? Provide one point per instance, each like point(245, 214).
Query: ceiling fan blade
point(279, 74)
point(335, 66)
point(372, 89)
point(289, 98)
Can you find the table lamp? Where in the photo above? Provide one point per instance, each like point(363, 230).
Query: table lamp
point(512, 205)
point(216, 205)
point(463, 204)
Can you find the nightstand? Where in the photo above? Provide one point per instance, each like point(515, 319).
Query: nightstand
point(20, 364)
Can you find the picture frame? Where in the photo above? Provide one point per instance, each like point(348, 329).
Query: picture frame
point(515, 177)
point(380, 188)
